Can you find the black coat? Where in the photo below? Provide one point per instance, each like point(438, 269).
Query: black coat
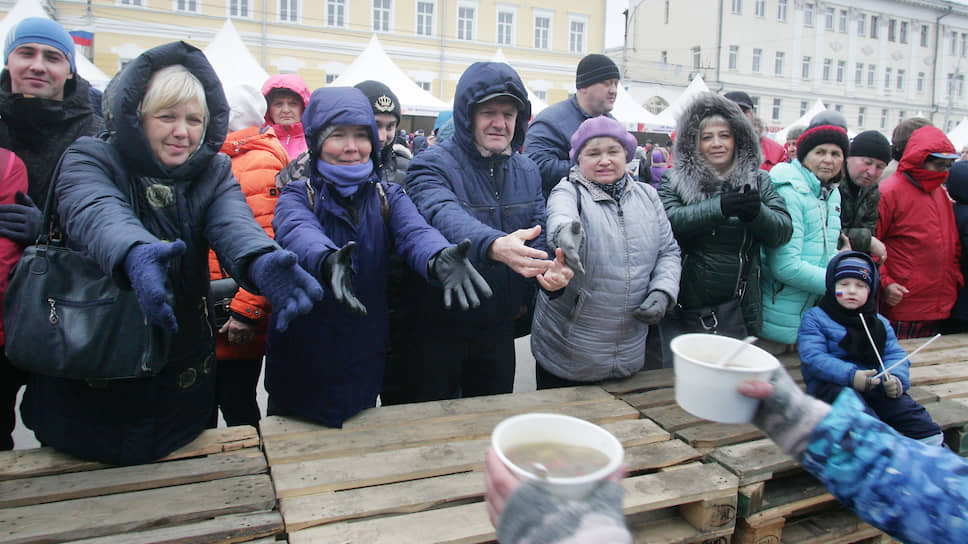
point(108, 200)
point(38, 130)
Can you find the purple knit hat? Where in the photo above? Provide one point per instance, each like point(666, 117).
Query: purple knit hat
point(602, 126)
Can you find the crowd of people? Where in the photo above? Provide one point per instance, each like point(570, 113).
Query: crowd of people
point(306, 229)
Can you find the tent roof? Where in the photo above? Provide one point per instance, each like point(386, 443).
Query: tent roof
point(373, 63)
point(670, 115)
point(635, 117)
point(959, 135)
point(232, 60)
point(803, 121)
point(536, 103)
point(32, 8)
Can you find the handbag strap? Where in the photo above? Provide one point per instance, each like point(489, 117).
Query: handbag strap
point(48, 225)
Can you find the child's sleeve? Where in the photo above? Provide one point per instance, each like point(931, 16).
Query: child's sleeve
point(812, 345)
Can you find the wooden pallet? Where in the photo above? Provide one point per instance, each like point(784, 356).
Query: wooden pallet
point(214, 489)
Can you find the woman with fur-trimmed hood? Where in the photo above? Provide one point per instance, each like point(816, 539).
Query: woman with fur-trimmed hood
point(723, 208)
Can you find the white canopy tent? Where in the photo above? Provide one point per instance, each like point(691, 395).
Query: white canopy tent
point(536, 103)
point(670, 115)
point(373, 63)
point(959, 135)
point(232, 60)
point(635, 117)
point(32, 8)
point(803, 121)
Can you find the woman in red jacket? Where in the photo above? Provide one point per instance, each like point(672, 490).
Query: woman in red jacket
point(13, 186)
point(921, 276)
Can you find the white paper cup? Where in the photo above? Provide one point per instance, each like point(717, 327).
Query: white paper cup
point(707, 390)
point(538, 427)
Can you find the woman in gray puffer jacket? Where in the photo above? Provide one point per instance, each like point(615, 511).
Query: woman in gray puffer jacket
point(723, 209)
point(615, 236)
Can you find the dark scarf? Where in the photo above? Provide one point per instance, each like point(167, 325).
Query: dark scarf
point(855, 342)
point(613, 190)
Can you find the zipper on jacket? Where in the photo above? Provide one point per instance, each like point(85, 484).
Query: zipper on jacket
point(628, 282)
point(205, 318)
point(741, 283)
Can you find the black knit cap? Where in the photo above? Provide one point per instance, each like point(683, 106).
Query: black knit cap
point(594, 68)
point(873, 144)
point(380, 97)
point(819, 135)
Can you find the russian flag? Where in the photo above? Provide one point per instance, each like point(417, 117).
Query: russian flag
point(82, 37)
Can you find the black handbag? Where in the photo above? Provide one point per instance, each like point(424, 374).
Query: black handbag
point(63, 317)
point(221, 292)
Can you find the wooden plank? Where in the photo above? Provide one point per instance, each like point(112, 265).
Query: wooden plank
point(954, 390)
point(641, 381)
point(223, 529)
point(669, 528)
point(948, 414)
point(711, 435)
point(924, 394)
point(946, 342)
point(661, 455)
point(767, 533)
point(949, 355)
point(671, 417)
point(650, 399)
point(126, 512)
point(789, 496)
point(838, 526)
point(750, 499)
point(442, 410)
point(691, 484)
point(753, 461)
point(59, 487)
point(43, 461)
point(943, 373)
point(317, 445)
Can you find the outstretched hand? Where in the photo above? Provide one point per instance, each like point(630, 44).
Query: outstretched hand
point(147, 267)
point(290, 290)
point(557, 275)
point(511, 250)
point(459, 278)
point(338, 273)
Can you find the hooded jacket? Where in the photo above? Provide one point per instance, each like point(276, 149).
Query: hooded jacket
point(858, 212)
point(292, 137)
point(918, 227)
point(38, 130)
point(467, 195)
point(256, 159)
point(589, 333)
point(112, 194)
point(328, 365)
point(957, 186)
point(716, 248)
point(793, 273)
point(13, 178)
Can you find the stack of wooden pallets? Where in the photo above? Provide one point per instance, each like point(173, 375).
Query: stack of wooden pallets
point(214, 489)
point(412, 473)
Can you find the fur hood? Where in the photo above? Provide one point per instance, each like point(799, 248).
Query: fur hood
point(691, 178)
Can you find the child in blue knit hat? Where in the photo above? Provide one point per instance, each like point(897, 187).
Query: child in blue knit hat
point(842, 342)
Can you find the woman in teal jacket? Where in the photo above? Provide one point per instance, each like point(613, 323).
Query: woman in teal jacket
point(794, 273)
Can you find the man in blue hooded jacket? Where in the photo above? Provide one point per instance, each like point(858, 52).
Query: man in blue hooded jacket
point(477, 186)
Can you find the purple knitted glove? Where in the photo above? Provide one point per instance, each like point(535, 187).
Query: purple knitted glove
point(146, 266)
point(291, 290)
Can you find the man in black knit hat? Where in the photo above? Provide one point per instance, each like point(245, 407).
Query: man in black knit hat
point(773, 153)
point(386, 112)
point(549, 135)
point(859, 196)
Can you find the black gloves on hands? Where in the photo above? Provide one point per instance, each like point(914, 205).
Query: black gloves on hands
point(338, 274)
point(458, 277)
point(290, 289)
point(569, 240)
point(653, 308)
point(20, 222)
point(743, 204)
point(147, 267)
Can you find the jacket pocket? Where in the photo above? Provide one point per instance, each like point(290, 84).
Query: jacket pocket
point(580, 300)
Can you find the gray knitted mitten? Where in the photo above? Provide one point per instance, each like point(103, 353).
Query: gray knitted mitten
point(789, 415)
point(533, 515)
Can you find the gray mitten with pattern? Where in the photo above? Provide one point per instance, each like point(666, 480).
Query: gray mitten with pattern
point(533, 515)
point(789, 415)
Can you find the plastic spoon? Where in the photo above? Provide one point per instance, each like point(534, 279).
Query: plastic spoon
point(725, 361)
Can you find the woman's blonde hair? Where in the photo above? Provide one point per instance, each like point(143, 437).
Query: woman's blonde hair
point(169, 87)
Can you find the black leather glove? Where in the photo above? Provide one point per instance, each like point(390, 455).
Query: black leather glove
point(338, 274)
point(458, 277)
point(569, 240)
point(20, 222)
point(749, 205)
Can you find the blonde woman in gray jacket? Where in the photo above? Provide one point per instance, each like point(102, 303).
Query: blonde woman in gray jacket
point(615, 235)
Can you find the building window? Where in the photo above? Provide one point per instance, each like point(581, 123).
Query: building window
point(425, 85)
point(696, 57)
point(129, 3)
point(733, 56)
point(803, 108)
point(871, 74)
point(961, 85)
point(465, 23)
point(900, 80)
point(781, 10)
point(737, 6)
point(330, 78)
point(667, 11)
point(776, 109)
point(336, 14)
point(505, 27)
point(903, 37)
point(829, 15)
point(887, 78)
point(664, 57)
point(425, 18)
point(542, 95)
point(778, 64)
point(892, 30)
point(757, 55)
point(756, 102)
point(839, 108)
point(542, 30)
point(381, 15)
point(239, 8)
point(883, 118)
point(828, 65)
point(951, 84)
point(760, 8)
point(808, 15)
point(859, 74)
point(954, 42)
point(860, 116)
point(289, 11)
point(841, 69)
point(964, 43)
point(186, 5)
point(874, 22)
point(576, 36)
point(843, 21)
point(805, 68)
point(861, 24)
point(901, 115)
point(920, 84)
point(924, 35)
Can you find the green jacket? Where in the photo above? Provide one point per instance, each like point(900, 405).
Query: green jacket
point(858, 214)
